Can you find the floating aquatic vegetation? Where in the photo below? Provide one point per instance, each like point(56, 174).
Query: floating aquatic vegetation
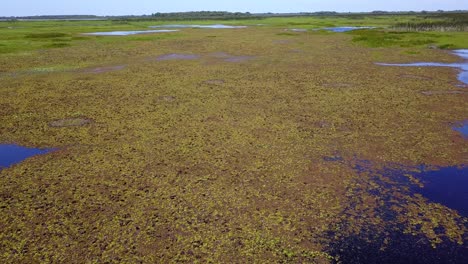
point(180, 167)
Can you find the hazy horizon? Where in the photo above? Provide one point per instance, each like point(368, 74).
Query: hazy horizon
point(146, 7)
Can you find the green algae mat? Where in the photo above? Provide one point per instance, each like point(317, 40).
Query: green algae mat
point(246, 145)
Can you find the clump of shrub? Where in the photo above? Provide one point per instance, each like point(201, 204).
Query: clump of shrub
point(374, 38)
point(441, 26)
point(46, 35)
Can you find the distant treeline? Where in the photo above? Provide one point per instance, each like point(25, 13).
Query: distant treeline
point(213, 15)
point(445, 22)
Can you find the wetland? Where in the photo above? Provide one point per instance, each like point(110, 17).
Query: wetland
point(213, 141)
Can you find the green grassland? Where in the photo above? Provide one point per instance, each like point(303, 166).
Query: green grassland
point(210, 161)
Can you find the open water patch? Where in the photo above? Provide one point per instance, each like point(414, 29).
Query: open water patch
point(345, 29)
point(388, 241)
point(12, 154)
point(442, 185)
point(447, 186)
point(462, 66)
point(463, 129)
point(393, 245)
point(128, 33)
point(215, 26)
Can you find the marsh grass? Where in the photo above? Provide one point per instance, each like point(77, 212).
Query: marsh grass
point(406, 39)
point(450, 22)
point(441, 26)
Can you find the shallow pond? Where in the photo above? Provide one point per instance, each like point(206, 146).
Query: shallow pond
point(11, 154)
point(463, 66)
point(128, 33)
point(216, 26)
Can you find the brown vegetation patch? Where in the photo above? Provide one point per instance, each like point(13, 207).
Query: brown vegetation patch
point(106, 69)
point(238, 58)
point(175, 56)
point(296, 51)
point(220, 55)
point(442, 92)
point(282, 41)
point(215, 82)
point(71, 122)
point(416, 77)
point(230, 58)
point(167, 98)
point(6, 109)
point(338, 85)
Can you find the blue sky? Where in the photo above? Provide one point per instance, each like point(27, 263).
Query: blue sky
point(138, 7)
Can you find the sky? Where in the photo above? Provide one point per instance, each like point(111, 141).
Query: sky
point(140, 7)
